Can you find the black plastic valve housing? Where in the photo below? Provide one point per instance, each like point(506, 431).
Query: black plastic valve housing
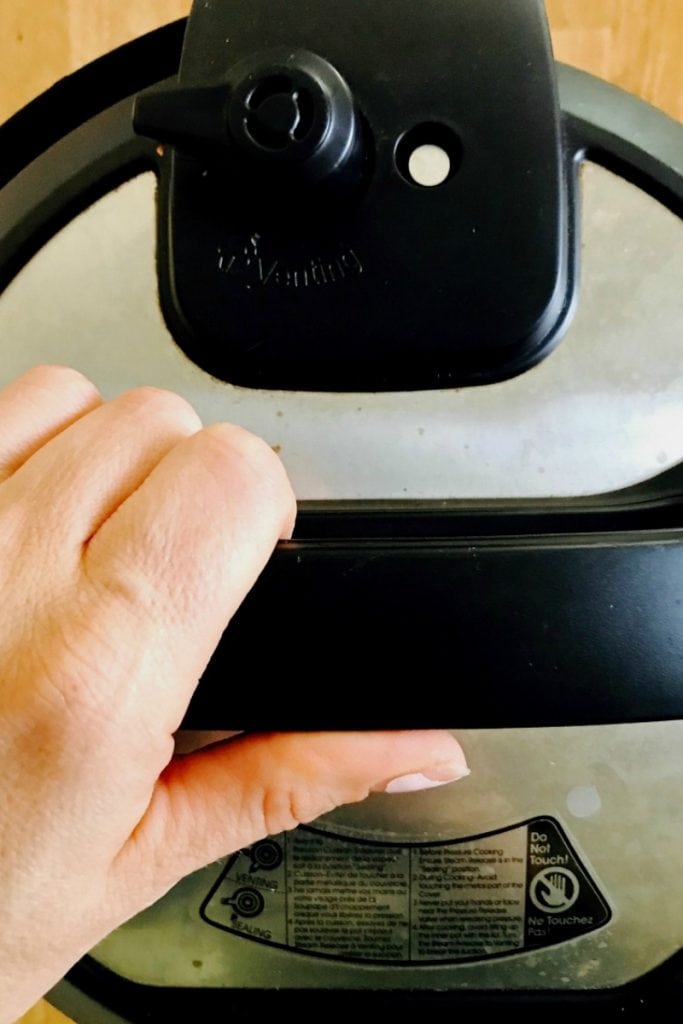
point(297, 252)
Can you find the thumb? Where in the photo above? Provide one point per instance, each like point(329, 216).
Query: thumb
point(225, 797)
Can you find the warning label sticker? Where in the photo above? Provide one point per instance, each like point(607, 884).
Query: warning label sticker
point(314, 892)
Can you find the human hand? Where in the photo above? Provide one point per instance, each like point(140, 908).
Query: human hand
point(128, 538)
point(554, 889)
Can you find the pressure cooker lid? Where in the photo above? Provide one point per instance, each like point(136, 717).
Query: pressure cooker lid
point(448, 291)
point(432, 506)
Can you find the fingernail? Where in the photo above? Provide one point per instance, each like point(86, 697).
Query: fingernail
point(419, 781)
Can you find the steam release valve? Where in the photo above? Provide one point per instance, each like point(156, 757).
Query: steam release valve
point(378, 199)
point(287, 116)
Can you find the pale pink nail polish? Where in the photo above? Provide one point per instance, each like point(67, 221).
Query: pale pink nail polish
point(417, 781)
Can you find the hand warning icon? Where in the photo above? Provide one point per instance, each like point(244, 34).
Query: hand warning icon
point(554, 890)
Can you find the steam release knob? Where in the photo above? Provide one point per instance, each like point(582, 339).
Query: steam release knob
point(273, 122)
point(284, 110)
point(302, 243)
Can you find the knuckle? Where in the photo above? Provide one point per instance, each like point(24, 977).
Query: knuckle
point(53, 377)
point(158, 404)
point(237, 440)
point(283, 809)
point(237, 447)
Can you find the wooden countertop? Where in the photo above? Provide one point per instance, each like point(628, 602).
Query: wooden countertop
point(636, 44)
